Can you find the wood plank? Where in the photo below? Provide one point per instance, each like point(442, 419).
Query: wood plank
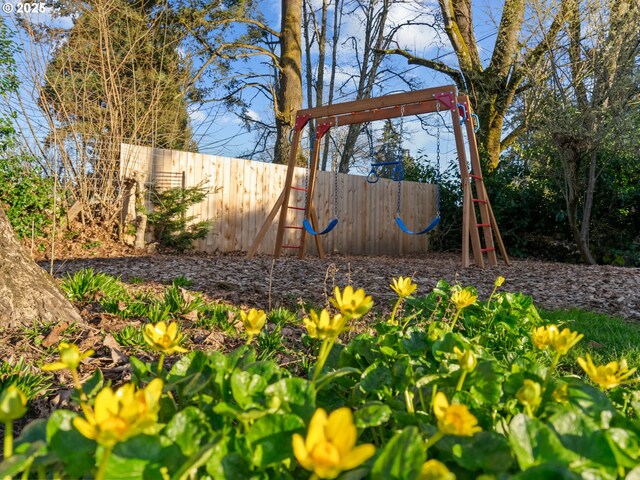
point(396, 99)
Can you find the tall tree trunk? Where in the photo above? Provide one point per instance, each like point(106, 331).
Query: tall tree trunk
point(27, 293)
point(337, 17)
point(375, 43)
point(289, 94)
point(491, 89)
point(571, 162)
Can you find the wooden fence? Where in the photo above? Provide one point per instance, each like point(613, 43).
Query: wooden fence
point(243, 193)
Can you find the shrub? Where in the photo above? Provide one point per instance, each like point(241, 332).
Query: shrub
point(458, 385)
point(171, 226)
point(26, 195)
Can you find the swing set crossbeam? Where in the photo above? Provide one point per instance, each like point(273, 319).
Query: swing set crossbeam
point(440, 99)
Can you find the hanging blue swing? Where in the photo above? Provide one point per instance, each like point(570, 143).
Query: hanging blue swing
point(434, 223)
point(309, 228)
point(306, 223)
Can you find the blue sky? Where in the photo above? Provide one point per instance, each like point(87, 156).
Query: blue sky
point(219, 132)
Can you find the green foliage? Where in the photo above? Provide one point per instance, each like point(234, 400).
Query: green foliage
point(182, 281)
point(526, 192)
point(218, 316)
point(129, 336)
point(172, 227)
point(88, 286)
point(234, 415)
point(30, 381)
point(8, 82)
point(26, 195)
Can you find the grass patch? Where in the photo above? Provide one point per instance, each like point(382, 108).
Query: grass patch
point(606, 338)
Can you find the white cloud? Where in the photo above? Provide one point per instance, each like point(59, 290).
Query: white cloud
point(197, 116)
point(253, 115)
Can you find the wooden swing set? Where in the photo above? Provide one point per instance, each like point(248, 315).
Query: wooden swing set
point(476, 208)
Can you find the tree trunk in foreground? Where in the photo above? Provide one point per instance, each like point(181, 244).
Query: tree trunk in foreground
point(27, 293)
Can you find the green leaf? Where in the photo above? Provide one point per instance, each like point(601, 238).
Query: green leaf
point(21, 462)
point(189, 468)
point(485, 382)
point(486, 451)
point(76, 451)
point(534, 443)
point(446, 344)
point(401, 458)
point(188, 429)
point(247, 389)
point(625, 446)
point(547, 471)
point(375, 377)
point(270, 438)
point(591, 401)
point(582, 435)
point(138, 457)
point(416, 341)
point(186, 366)
point(372, 414)
point(292, 395)
point(326, 379)
point(90, 386)
point(227, 466)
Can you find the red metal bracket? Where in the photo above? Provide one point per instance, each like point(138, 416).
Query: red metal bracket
point(301, 121)
point(448, 99)
point(322, 129)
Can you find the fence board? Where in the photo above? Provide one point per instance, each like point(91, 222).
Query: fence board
point(243, 193)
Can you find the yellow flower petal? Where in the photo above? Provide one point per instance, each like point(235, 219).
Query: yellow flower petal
point(329, 447)
point(85, 428)
point(358, 456)
point(440, 405)
point(54, 366)
point(300, 451)
point(172, 330)
point(340, 430)
point(316, 433)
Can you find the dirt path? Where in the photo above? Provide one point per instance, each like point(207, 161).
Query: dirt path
point(235, 279)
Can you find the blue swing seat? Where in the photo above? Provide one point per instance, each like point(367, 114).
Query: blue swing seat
point(309, 228)
point(427, 229)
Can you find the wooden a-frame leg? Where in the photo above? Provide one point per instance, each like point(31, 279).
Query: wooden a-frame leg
point(266, 225)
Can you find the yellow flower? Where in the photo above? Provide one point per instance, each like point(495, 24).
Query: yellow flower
point(330, 446)
point(454, 419)
point(435, 470)
point(13, 404)
point(70, 357)
point(499, 281)
point(403, 286)
point(530, 393)
point(323, 326)
point(253, 321)
point(561, 394)
point(562, 342)
point(352, 304)
point(466, 359)
point(119, 415)
point(607, 376)
point(463, 298)
point(540, 337)
point(162, 338)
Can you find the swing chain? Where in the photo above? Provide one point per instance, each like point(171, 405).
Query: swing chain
point(306, 175)
point(401, 159)
point(335, 186)
point(438, 166)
